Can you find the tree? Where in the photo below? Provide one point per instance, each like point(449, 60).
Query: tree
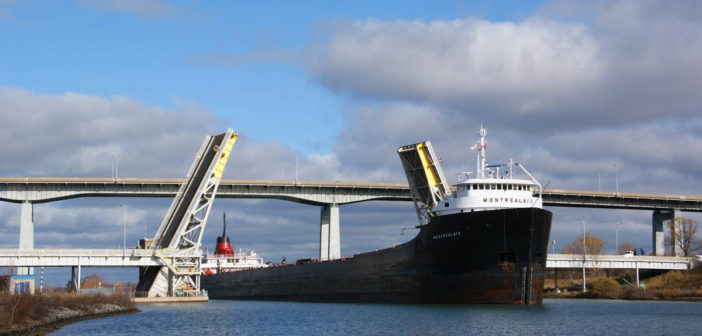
point(93, 281)
point(623, 247)
point(683, 236)
point(593, 245)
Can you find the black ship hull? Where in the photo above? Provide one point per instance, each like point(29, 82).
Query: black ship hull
point(495, 256)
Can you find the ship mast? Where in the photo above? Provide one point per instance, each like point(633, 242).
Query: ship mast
point(481, 147)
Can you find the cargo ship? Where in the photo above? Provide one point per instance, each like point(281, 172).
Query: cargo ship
point(482, 240)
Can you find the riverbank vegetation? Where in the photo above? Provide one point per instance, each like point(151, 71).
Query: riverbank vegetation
point(25, 314)
point(671, 285)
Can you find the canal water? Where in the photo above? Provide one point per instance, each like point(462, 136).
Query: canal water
point(554, 317)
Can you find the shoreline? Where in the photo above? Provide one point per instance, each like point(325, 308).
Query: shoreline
point(61, 310)
point(50, 326)
point(575, 297)
point(645, 297)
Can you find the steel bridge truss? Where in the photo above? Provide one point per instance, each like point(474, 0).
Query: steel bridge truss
point(177, 242)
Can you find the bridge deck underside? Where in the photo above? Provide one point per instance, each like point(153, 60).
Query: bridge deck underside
point(38, 190)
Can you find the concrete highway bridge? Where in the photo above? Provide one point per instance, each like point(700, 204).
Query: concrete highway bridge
point(136, 257)
point(328, 195)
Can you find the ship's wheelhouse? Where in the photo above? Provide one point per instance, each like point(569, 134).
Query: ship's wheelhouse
point(490, 194)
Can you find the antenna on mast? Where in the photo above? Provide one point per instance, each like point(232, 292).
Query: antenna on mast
point(481, 147)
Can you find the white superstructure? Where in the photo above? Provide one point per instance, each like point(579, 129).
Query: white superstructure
point(241, 260)
point(489, 188)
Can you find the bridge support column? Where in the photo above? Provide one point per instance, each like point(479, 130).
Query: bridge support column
point(75, 277)
point(659, 217)
point(26, 236)
point(329, 237)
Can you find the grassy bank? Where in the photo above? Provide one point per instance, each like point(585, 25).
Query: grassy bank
point(38, 314)
point(672, 285)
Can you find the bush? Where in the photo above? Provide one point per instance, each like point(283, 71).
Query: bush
point(605, 287)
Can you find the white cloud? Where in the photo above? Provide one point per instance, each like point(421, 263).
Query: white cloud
point(624, 62)
point(512, 68)
point(76, 135)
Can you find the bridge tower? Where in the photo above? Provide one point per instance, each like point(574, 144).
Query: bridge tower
point(180, 232)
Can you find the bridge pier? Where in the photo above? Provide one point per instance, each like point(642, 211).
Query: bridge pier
point(659, 217)
point(329, 236)
point(26, 236)
point(75, 277)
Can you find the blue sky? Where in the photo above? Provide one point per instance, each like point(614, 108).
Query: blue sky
point(575, 90)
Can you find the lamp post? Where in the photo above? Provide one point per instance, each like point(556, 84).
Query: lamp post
point(616, 237)
point(553, 248)
point(124, 235)
point(616, 178)
point(584, 247)
point(115, 166)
